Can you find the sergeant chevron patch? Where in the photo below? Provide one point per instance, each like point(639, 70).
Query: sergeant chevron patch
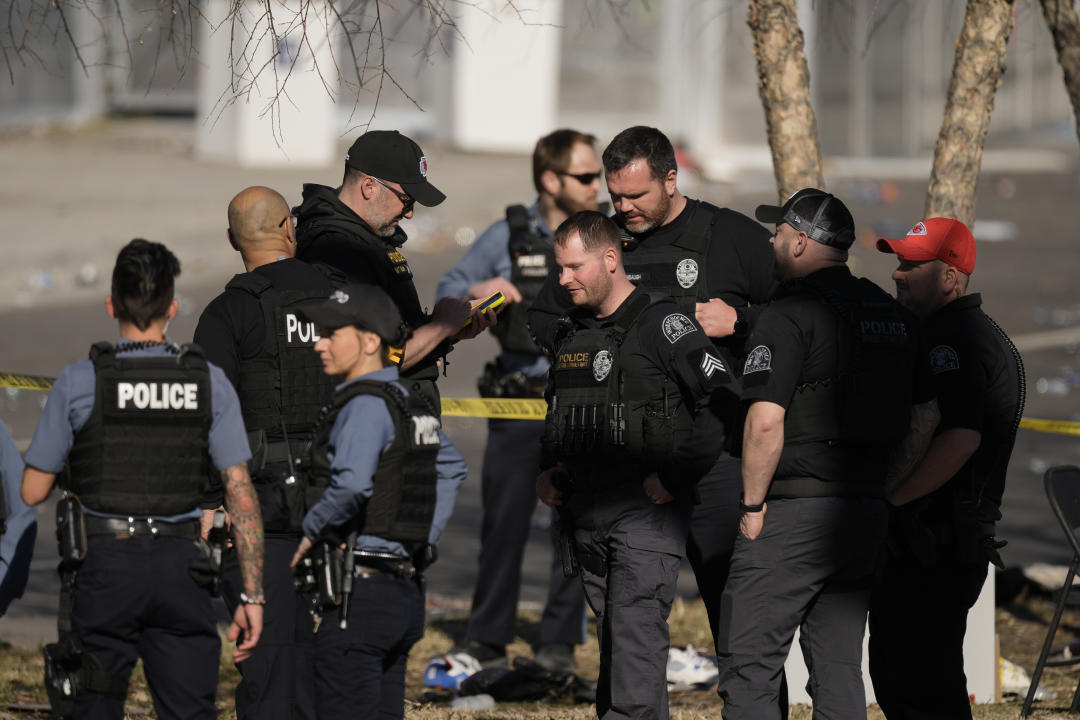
point(710, 364)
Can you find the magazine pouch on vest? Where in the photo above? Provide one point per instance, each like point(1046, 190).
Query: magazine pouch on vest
point(402, 504)
point(143, 451)
point(676, 269)
point(281, 391)
point(598, 419)
point(531, 260)
point(868, 402)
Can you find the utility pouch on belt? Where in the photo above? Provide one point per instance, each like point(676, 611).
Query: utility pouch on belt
point(70, 530)
point(321, 573)
point(208, 569)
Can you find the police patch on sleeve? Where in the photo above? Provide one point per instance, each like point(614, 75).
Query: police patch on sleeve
point(759, 360)
point(943, 359)
point(676, 325)
point(601, 365)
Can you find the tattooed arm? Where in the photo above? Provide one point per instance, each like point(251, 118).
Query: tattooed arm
point(924, 420)
point(243, 507)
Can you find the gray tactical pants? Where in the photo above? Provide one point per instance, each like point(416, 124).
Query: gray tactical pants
point(812, 568)
point(640, 544)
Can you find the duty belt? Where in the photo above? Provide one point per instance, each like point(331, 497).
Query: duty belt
point(376, 563)
point(130, 527)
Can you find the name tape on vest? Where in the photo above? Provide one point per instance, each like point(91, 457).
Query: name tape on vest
point(157, 396)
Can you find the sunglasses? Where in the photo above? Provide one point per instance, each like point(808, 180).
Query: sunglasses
point(407, 200)
point(583, 178)
point(286, 219)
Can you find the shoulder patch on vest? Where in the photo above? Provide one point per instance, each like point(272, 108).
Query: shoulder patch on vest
point(943, 359)
point(677, 325)
point(601, 365)
point(686, 272)
point(759, 360)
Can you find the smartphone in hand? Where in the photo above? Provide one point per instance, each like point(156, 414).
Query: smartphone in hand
point(491, 302)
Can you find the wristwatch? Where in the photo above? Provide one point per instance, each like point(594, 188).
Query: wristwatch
point(743, 507)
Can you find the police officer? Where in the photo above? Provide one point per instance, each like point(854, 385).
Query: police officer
point(717, 265)
point(18, 524)
point(942, 530)
point(514, 256)
point(831, 377)
point(626, 437)
point(254, 333)
point(137, 426)
point(355, 228)
point(373, 458)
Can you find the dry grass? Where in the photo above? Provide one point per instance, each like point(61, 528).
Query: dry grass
point(1021, 627)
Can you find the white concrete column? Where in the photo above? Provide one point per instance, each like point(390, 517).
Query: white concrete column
point(506, 74)
point(238, 119)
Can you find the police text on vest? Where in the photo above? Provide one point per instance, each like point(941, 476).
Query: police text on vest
point(157, 396)
point(304, 332)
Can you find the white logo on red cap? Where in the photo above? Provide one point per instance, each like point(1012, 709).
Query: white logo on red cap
point(423, 165)
point(341, 297)
point(919, 229)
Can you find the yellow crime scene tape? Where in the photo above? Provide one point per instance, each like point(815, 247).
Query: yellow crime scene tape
point(1059, 427)
point(503, 409)
point(518, 408)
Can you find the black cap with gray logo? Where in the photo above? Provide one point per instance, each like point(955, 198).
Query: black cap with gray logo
point(368, 307)
point(821, 215)
point(389, 155)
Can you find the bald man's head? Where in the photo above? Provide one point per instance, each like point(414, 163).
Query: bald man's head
point(260, 223)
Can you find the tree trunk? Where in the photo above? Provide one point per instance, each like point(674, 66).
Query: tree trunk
point(1064, 25)
point(784, 86)
point(977, 70)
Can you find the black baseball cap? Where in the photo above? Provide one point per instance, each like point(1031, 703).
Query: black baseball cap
point(365, 306)
point(821, 215)
point(389, 155)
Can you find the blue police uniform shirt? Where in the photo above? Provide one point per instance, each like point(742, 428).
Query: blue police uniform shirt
point(17, 544)
point(362, 431)
point(72, 399)
point(489, 257)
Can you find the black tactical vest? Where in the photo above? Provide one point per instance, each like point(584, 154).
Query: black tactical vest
point(599, 419)
point(867, 403)
point(403, 502)
point(677, 269)
point(143, 451)
point(385, 255)
point(531, 259)
point(282, 389)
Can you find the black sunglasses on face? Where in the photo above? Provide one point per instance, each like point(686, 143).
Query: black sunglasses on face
point(583, 178)
point(285, 220)
point(407, 200)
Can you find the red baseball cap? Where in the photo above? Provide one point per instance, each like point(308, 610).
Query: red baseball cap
point(942, 239)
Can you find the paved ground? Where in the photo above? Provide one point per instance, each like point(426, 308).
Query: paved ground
point(69, 201)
